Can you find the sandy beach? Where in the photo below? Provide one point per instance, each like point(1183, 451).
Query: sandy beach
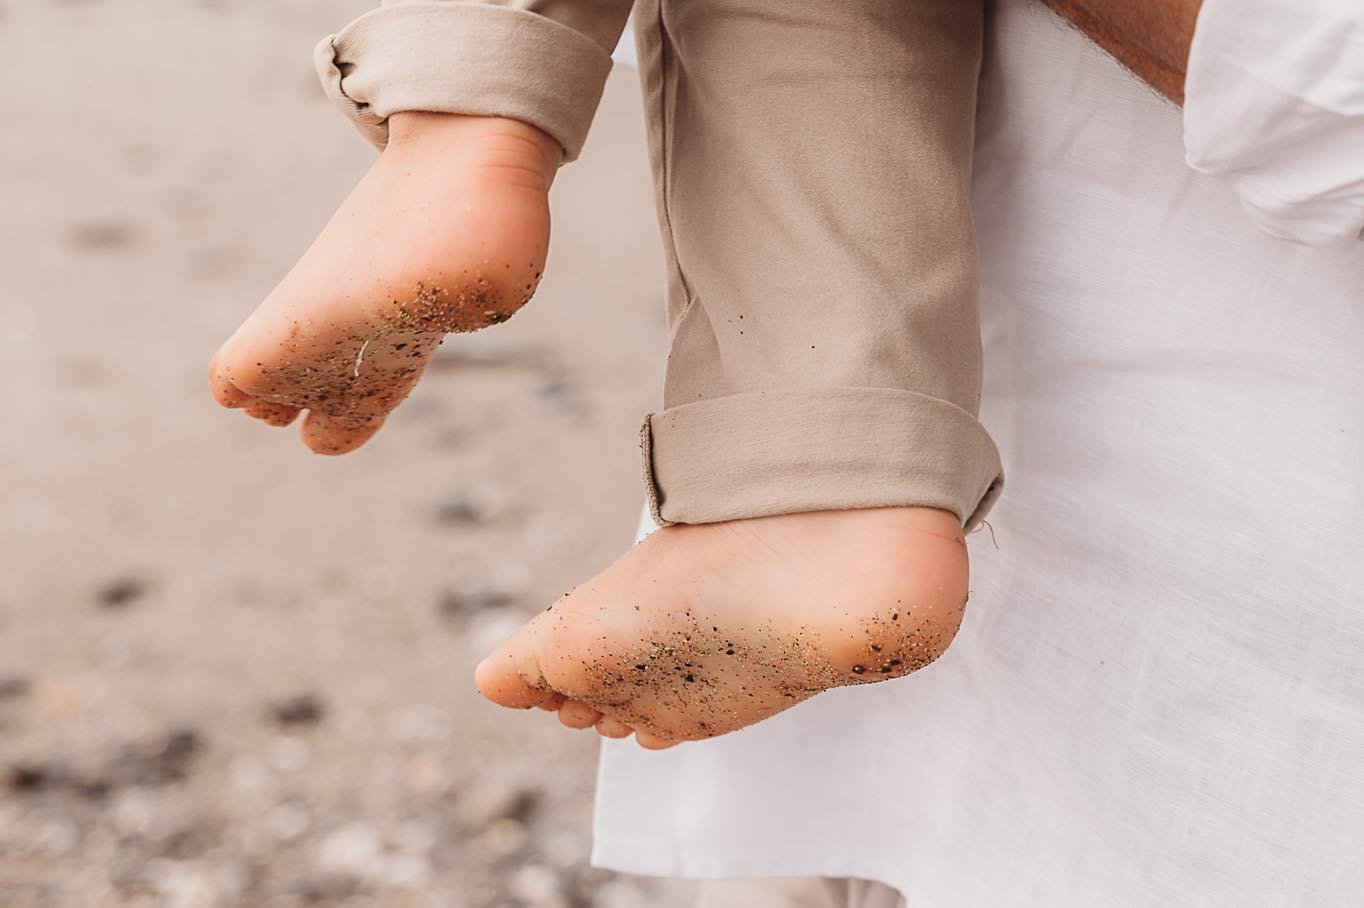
point(232, 672)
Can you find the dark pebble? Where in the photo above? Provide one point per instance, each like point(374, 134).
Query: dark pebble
point(459, 510)
point(563, 396)
point(450, 359)
point(121, 591)
point(304, 709)
point(322, 889)
point(459, 605)
point(32, 776)
point(159, 762)
point(522, 806)
point(101, 236)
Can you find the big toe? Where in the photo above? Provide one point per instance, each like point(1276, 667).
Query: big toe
point(511, 676)
point(224, 392)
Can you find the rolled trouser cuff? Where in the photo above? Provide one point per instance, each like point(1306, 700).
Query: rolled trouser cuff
point(464, 58)
point(763, 453)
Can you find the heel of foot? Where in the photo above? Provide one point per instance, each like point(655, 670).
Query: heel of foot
point(899, 642)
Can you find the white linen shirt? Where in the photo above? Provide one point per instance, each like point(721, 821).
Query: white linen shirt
point(1157, 695)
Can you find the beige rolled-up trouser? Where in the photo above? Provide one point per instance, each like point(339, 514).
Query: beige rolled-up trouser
point(799, 892)
point(811, 164)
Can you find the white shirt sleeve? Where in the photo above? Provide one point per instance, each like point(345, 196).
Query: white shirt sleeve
point(1274, 104)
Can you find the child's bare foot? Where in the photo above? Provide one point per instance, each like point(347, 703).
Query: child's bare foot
point(701, 630)
point(448, 231)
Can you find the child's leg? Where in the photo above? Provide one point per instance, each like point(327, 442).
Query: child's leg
point(812, 164)
point(448, 230)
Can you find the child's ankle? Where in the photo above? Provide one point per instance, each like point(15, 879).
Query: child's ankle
point(513, 148)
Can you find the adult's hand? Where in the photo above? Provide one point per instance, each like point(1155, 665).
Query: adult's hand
point(1149, 37)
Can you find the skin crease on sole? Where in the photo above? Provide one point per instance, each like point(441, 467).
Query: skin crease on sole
point(702, 630)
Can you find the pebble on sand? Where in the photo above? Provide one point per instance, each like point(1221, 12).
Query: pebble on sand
point(301, 709)
point(12, 687)
point(453, 604)
point(122, 591)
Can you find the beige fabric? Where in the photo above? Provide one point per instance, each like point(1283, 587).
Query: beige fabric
point(811, 162)
point(811, 165)
point(544, 63)
point(768, 452)
point(798, 892)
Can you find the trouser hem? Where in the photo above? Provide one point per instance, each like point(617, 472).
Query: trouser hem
point(464, 58)
point(762, 453)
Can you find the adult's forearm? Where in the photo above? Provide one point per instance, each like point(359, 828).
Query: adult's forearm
point(1149, 37)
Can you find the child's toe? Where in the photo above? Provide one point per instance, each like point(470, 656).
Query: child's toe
point(511, 677)
point(279, 415)
point(609, 727)
point(650, 741)
point(224, 392)
point(576, 714)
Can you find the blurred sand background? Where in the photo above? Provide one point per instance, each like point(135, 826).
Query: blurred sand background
point(233, 672)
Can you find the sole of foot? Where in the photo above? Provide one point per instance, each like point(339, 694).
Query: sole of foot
point(447, 232)
point(702, 630)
